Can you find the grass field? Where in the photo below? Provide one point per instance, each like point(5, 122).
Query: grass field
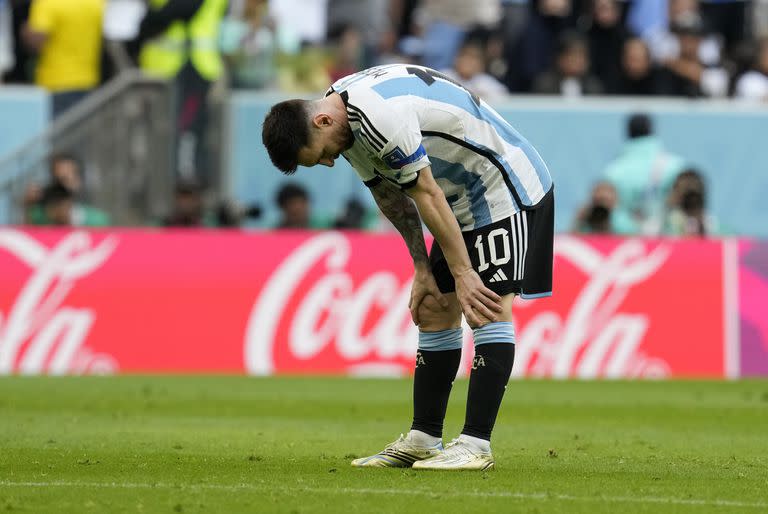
point(235, 444)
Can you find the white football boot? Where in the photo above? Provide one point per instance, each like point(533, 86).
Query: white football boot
point(459, 454)
point(399, 454)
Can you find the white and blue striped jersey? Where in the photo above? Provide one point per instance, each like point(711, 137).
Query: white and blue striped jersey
point(406, 117)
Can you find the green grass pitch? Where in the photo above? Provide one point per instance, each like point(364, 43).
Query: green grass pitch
point(237, 444)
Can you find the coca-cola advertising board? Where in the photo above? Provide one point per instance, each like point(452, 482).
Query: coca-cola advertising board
point(76, 302)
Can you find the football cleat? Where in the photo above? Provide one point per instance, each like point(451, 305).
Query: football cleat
point(458, 455)
point(399, 454)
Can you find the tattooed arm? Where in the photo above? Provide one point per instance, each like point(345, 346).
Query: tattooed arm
point(402, 212)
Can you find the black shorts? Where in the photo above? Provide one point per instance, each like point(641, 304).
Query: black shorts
point(513, 255)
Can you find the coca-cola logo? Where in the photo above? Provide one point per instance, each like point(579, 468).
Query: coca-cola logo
point(593, 339)
point(38, 332)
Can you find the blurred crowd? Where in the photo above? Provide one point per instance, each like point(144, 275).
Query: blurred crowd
point(711, 48)
point(571, 48)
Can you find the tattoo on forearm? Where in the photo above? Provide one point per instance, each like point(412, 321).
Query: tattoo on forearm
point(402, 212)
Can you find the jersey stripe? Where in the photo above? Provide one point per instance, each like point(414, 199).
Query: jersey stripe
point(368, 122)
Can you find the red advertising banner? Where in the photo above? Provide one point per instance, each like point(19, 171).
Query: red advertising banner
point(331, 302)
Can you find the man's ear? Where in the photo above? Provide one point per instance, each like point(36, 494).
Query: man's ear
point(322, 120)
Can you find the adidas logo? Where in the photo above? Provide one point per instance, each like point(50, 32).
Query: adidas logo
point(499, 276)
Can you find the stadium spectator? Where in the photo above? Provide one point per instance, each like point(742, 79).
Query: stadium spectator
point(368, 20)
point(447, 24)
point(753, 85)
point(188, 206)
point(179, 40)
point(606, 36)
point(570, 76)
point(66, 172)
point(639, 77)
point(6, 38)
point(687, 74)
point(664, 43)
point(687, 215)
point(57, 206)
point(348, 52)
point(469, 71)
point(600, 215)
point(67, 36)
point(249, 44)
point(294, 204)
point(536, 49)
point(727, 19)
point(354, 217)
point(20, 73)
point(643, 175)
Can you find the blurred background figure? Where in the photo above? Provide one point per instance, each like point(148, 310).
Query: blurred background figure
point(294, 204)
point(7, 58)
point(349, 55)
point(249, 45)
point(606, 35)
point(67, 36)
point(57, 205)
point(537, 47)
point(447, 23)
point(188, 206)
point(638, 75)
point(178, 39)
point(600, 215)
point(469, 70)
point(66, 172)
point(643, 175)
point(753, 85)
point(356, 216)
point(686, 73)
point(687, 214)
point(361, 29)
point(570, 76)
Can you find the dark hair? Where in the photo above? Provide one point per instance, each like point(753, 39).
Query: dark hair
point(285, 132)
point(55, 193)
point(288, 192)
point(571, 40)
point(639, 125)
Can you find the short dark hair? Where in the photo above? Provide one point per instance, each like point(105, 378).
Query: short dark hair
point(285, 132)
point(290, 191)
point(639, 125)
point(55, 193)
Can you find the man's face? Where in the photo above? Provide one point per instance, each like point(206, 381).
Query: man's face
point(67, 173)
point(637, 62)
point(327, 139)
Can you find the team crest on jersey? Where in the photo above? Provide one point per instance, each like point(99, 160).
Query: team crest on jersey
point(396, 159)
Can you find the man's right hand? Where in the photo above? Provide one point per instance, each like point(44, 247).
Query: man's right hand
point(477, 301)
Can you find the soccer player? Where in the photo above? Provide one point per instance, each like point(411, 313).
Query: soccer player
point(430, 150)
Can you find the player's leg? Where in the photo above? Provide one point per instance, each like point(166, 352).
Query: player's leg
point(514, 256)
point(491, 369)
point(437, 361)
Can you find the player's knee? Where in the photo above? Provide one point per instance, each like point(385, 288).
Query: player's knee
point(433, 316)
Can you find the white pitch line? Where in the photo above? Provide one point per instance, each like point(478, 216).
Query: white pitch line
point(413, 492)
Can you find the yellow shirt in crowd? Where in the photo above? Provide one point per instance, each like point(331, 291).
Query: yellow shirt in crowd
point(71, 56)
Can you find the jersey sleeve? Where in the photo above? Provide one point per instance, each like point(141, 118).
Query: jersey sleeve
point(395, 136)
point(404, 155)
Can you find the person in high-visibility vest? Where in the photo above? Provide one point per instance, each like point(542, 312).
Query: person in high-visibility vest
point(178, 40)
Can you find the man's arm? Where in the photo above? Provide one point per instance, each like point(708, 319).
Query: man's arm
point(401, 211)
point(437, 214)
